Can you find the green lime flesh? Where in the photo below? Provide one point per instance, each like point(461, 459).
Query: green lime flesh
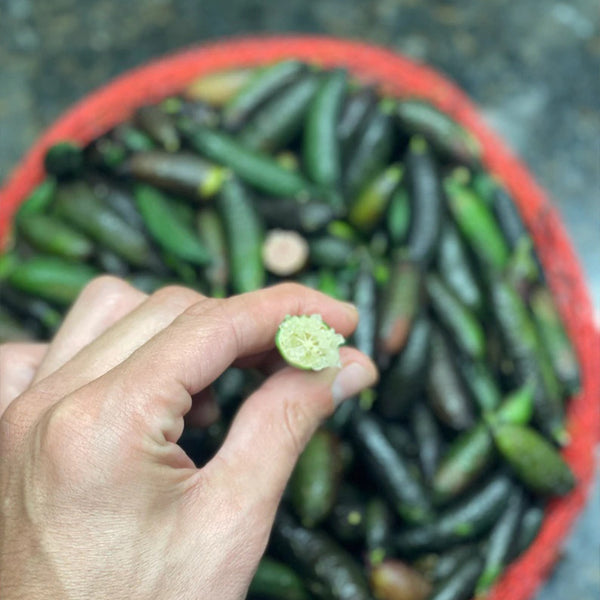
point(307, 342)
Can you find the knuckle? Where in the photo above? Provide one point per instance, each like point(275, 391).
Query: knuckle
point(105, 285)
point(106, 298)
point(59, 424)
point(296, 297)
point(7, 354)
point(293, 289)
point(201, 306)
point(230, 325)
point(15, 424)
point(176, 296)
point(218, 322)
point(64, 440)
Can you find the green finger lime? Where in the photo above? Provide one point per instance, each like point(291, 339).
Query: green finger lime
point(307, 342)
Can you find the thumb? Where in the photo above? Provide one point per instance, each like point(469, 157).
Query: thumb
point(275, 423)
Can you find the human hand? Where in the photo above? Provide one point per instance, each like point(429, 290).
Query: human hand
point(97, 500)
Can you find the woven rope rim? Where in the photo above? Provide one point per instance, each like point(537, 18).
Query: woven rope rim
point(399, 76)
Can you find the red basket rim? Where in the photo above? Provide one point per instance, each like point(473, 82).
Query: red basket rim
point(396, 75)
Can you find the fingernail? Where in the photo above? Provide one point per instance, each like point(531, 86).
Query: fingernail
point(349, 381)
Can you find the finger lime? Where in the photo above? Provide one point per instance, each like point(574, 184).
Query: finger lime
point(307, 342)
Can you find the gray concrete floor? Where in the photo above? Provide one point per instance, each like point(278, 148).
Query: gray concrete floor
point(533, 66)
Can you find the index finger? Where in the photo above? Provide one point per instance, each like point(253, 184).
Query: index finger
point(202, 342)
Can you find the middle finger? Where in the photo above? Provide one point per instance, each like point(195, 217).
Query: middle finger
point(118, 342)
point(101, 304)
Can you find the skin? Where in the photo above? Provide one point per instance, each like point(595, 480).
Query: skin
point(97, 500)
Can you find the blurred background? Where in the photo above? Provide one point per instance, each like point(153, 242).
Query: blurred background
point(532, 66)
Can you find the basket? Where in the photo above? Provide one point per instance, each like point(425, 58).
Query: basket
point(400, 76)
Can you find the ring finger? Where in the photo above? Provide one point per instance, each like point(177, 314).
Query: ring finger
point(18, 365)
point(102, 303)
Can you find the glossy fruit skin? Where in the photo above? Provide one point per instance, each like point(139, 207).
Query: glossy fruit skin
point(280, 119)
point(468, 456)
point(365, 300)
point(159, 126)
point(181, 173)
point(261, 85)
point(445, 135)
point(347, 521)
point(534, 460)
point(500, 541)
point(64, 160)
point(51, 278)
point(522, 344)
point(255, 168)
point(529, 527)
point(38, 201)
point(322, 151)
point(398, 217)
point(355, 112)
point(455, 268)
point(78, 205)
point(330, 251)
point(370, 205)
point(379, 521)
point(316, 478)
point(166, 226)
point(463, 326)
point(460, 584)
point(428, 438)
point(399, 306)
point(462, 522)
point(472, 453)
point(427, 202)
point(555, 339)
point(212, 234)
point(447, 394)
point(216, 89)
point(276, 580)
point(403, 382)
point(447, 562)
point(371, 152)
point(389, 470)
point(244, 234)
point(482, 383)
point(395, 580)
point(477, 225)
point(329, 572)
point(40, 316)
point(52, 235)
point(286, 213)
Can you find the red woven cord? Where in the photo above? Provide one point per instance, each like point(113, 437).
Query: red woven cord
point(399, 76)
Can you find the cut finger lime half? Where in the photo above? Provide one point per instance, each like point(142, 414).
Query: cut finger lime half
point(307, 342)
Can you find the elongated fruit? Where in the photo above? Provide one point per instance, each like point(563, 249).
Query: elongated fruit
point(329, 572)
point(278, 121)
point(51, 278)
point(315, 481)
point(322, 156)
point(256, 168)
point(276, 580)
point(389, 470)
point(165, 226)
point(395, 580)
point(534, 460)
point(258, 88)
point(244, 232)
point(462, 522)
